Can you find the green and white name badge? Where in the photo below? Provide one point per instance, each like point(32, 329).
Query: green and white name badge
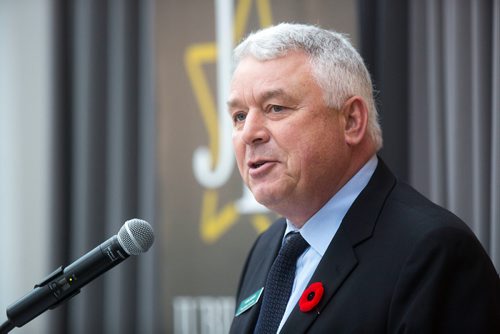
point(249, 302)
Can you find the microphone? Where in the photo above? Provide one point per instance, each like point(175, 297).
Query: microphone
point(135, 237)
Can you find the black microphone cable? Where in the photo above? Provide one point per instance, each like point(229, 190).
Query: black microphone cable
point(6, 327)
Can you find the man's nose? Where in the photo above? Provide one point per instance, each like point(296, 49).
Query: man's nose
point(255, 128)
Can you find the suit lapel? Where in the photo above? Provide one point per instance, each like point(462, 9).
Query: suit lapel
point(340, 259)
point(265, 251)
point(336, 265)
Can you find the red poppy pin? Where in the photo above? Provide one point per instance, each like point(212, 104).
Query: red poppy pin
point(311, 297)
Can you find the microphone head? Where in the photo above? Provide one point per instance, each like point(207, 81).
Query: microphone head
point(136, 236)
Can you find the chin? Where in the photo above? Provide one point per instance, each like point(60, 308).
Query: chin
point(269, 200)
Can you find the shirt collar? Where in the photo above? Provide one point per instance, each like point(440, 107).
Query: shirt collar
point(320, 229)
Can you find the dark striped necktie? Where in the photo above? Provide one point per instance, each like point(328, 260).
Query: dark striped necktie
point(279, 284)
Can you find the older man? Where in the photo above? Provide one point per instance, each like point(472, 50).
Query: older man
point(383, 258)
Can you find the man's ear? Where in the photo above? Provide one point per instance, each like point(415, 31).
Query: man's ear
point(355, 111)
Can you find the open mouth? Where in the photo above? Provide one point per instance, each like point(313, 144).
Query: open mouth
point(260, 168)
point(257, 164)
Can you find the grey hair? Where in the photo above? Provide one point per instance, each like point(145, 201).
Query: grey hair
point(337, 67)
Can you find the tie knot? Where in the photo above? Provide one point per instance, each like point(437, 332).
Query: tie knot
point(294, 246)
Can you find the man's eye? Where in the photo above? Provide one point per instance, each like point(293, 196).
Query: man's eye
point(239, 117)
point(277, 108)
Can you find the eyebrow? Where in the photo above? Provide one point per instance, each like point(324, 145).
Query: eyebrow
point(274, 93)
point(266, 96)
point(232, 103)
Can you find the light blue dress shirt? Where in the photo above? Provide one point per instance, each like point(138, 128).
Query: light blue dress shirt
point(320, 229)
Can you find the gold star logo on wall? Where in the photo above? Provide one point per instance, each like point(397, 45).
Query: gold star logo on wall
point(214, 222)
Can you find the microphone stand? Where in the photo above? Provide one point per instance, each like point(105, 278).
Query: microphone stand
point(6, 327)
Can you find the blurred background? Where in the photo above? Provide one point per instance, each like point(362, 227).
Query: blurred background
point(113, 109)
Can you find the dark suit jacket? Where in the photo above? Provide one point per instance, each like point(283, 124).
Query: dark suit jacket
point(398, 264)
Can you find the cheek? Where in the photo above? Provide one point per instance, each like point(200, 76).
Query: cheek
point(318, 150)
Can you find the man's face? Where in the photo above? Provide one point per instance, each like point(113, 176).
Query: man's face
point(289, 145)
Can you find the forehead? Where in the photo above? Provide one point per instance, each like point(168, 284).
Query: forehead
point(270, 78)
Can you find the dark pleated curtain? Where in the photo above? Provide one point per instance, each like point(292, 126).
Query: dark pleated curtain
point(437, 67)
point(383, 26)
point(105, 157)
point(455, 97)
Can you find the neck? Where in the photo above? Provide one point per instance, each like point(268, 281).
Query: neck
point(298, 215)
